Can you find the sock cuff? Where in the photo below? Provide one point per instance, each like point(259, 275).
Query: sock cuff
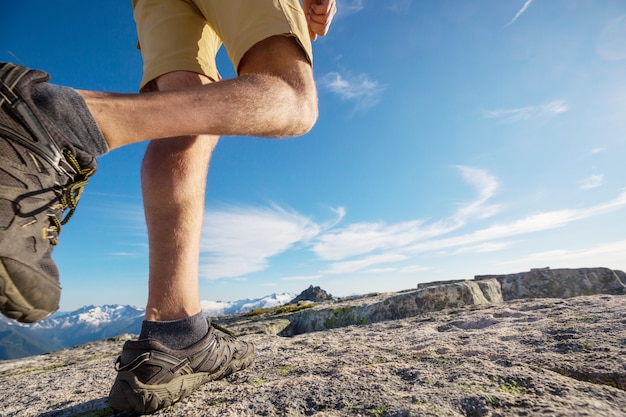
point(94, 140)
point(176, 334)
point(69, 112)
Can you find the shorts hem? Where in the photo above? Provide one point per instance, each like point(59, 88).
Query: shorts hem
point(245, 45)
point(157, 71)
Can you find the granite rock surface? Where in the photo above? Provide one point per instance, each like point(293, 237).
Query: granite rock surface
point(525, 357)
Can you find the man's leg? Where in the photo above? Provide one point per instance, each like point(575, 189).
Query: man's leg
point(174, 178)
point(174, 175)
point(274, 96)
point(174, 219)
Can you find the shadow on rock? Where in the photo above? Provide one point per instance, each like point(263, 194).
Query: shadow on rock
point(97, 407)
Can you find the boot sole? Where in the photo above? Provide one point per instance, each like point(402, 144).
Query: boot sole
point(14, 305)
point(129, 394)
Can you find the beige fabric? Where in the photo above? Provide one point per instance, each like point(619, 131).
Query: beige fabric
point(185, 35)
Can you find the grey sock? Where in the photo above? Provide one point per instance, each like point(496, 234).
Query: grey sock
point(70, 114)
point(176, 334)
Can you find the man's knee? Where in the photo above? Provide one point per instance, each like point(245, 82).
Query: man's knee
point(283, 58)
point(174, 147)
point(310, 111)
point(299, 108)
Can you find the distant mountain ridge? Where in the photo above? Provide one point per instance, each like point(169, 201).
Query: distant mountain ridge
point(90, 323)
point(223, 308)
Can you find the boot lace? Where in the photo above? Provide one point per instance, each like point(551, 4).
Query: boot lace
point(68, 197)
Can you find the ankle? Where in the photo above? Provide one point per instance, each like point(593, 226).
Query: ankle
point(171, 313)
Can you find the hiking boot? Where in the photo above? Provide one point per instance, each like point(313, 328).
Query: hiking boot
point(42, 176)
point(151, 376)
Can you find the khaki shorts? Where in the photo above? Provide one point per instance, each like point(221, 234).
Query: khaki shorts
point(185, 35)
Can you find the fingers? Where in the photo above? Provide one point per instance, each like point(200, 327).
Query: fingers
point(319, 16)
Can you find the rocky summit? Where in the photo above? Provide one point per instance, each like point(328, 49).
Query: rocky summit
point(314, 294)
point(447, 349)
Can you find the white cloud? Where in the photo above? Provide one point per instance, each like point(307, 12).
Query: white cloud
point(610, 43)
point(409, 238)
point(415, 268)
point(364, 263)
point(593, 181)
point(399, 6)
point(302, 278)
point(126, 254)
point(530, 224)
point(363, 238)
point(529, 112)
point(603, 254)
point(520, 12)
point(358, 89)
point(379, 271)
point(348, 7)
point(486, 186)
point(238, 241)
point(483, 247)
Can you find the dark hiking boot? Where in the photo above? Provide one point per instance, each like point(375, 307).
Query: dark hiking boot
point(42, 176)
point(151, 376)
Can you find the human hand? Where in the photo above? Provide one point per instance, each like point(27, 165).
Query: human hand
point(319, 15)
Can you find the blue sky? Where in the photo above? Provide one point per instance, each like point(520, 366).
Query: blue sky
point(455, 138)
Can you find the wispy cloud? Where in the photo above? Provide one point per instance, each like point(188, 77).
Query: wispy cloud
point(369, 243)
point(549, 109)
point(593, 181)
point(520, 12)
point(126, 254)
point(530, 224)
point(409, 238)
point(364, 238)
point(603, 254)
point(610, 41)
point(348, 7)
point(483, 247)
point(486, 186)
point(414, 268)
point(302, 278)
point(358, 89)
point(238, 241)
point(364, 263)
point(399, 6)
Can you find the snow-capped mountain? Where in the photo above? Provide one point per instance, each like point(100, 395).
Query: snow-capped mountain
point(222, 308)
point(91, 316)
point(68, 329)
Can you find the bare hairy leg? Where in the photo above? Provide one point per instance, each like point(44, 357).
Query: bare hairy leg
point(174, 170)
point(173, 177)
point(273, 96)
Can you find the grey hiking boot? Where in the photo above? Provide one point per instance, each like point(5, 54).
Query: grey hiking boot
point(151, 376)
point(42, 176)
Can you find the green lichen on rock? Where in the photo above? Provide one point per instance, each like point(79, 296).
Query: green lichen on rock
point(344, 316)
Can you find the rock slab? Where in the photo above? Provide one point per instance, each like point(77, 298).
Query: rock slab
point(559, 283)
point(486, 289)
